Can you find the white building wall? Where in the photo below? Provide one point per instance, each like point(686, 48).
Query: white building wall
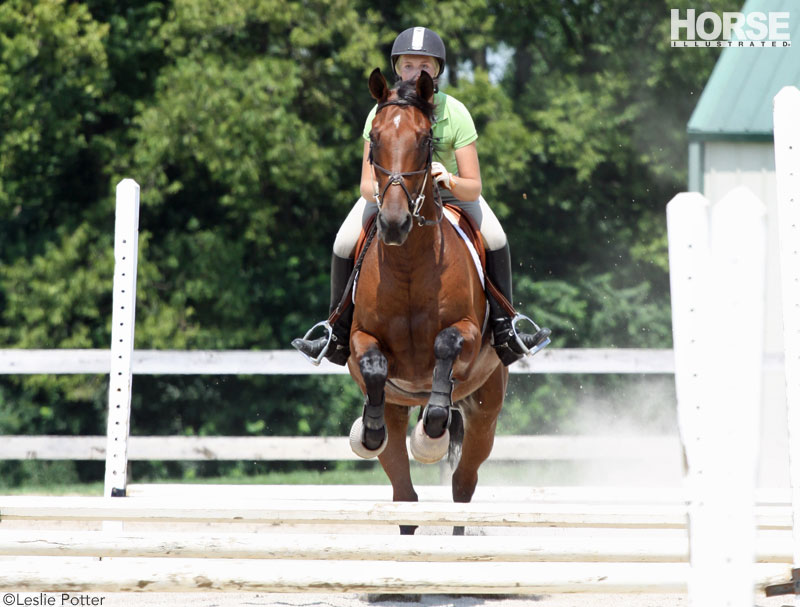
point(727, 165)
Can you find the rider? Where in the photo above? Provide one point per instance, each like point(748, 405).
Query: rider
point(457, 171)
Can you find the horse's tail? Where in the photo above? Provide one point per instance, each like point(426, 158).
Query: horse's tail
point(456, 438)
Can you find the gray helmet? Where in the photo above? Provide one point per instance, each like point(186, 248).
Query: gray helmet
point(419, 41)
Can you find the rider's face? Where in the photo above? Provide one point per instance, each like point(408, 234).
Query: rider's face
point(410, 66)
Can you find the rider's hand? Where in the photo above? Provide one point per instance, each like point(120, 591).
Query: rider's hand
point(442, 175)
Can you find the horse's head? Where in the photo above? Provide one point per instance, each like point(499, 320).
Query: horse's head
point(401, 151)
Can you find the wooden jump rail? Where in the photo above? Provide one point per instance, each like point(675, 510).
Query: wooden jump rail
point(309, 512)
point(638, 544)
point(424, 548)
point(380, 547)
point(207, 575)
point(641, 496)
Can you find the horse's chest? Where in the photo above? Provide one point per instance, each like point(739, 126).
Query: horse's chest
point(406, 299)
point(409, 311)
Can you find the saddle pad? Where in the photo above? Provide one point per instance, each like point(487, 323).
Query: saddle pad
point(466, 227)
point(471, 236)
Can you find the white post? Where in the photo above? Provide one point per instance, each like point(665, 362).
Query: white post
point(717, 279)
point(688, 229)
point(126, 249)
point(689, 257)
point(738, 283)
point(787, 168)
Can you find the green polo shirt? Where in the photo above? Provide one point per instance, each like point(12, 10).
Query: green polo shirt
point(453, 129)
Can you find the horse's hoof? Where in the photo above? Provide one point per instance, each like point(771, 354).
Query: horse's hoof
point(427, 450)
point(356, 432)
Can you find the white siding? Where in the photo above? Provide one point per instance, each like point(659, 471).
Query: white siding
point(727, 165)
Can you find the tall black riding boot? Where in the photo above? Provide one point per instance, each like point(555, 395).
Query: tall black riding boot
point(339, 349)
point(498, 269)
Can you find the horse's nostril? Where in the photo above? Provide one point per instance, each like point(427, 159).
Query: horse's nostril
point(407, 223)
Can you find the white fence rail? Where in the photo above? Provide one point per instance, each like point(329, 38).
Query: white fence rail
point(289, 362)
point(662, 449)
point(656, 449)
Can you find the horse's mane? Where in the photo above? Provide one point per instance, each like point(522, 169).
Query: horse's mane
point(406, 91)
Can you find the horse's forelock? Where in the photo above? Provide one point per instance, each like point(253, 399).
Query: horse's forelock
point(406, 90)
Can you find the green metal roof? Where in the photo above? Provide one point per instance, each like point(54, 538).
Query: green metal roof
point(736, 103)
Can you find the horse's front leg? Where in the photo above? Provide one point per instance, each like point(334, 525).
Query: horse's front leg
point(381, 429)
point(395, 459)
point(431, 439)
point(368, 435)
point(479, 412)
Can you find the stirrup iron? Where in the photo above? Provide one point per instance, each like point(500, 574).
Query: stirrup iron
point(523, 348)
point(327, 326)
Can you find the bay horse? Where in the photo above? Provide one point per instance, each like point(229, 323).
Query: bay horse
point(416, 338)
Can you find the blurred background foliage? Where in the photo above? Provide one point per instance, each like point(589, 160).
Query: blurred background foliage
point(241, 121)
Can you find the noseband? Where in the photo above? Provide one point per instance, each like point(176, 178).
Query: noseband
point(398, 178)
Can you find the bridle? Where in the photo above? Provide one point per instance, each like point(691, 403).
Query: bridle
point(416, 200)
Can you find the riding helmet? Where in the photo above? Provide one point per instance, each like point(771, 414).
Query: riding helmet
point(419, 41)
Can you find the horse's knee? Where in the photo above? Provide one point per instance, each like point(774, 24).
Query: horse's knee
point(374, 369)
point(373, 365)
point(448, 344)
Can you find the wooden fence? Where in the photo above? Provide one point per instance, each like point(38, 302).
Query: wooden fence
point(323, 539)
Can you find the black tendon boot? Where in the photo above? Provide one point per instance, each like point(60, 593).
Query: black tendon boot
point(339, 348)
point(498, 269)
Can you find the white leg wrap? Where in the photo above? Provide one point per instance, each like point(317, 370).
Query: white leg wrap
point(356, 431)
point(425, 449)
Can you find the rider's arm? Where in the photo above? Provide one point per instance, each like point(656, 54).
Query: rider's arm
point(367, 189)
point(467, 184)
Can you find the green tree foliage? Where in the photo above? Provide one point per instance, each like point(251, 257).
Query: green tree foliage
point(241, 121)
point(53, 74)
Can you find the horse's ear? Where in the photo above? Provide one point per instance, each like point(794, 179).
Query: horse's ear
point(377, 85)
point(425, 86)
